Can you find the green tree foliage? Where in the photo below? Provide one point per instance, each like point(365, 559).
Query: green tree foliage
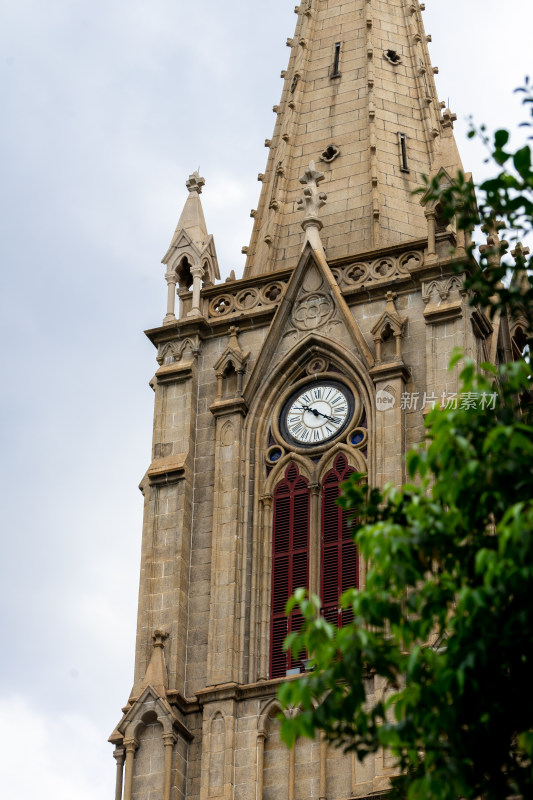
point(444, 625)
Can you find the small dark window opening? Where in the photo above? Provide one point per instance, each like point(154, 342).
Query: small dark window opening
point(387, 333)
point(336, 61)
point(330, 153)
point(393, 56)
point(402, 139)
point(294, 83)
point(520, 340)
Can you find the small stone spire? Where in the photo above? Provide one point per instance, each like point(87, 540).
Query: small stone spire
point(520, 278)
point(312, 201)
point(446, 155)
point(191, 257)
point(192, 217)
point(156, 674)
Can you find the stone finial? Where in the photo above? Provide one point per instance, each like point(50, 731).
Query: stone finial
point(492, 226)
point(390, 305)
point(519, 253)
point(495, 247)
point(159, 638)
point(195, 182)
point(313, 199)
point(448, 118)
point(233, 343)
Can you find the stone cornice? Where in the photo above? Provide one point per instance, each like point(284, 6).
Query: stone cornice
point(190, 326)
point(179, 371)
point(167, 470)
point(389, 371)
point(443, 312)
point(224, 406)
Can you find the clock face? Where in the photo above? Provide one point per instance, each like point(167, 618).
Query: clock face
point(317, 413)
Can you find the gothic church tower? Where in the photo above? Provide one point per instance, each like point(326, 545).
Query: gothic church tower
point(270, 389)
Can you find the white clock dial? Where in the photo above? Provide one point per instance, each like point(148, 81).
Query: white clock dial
point(317, 414)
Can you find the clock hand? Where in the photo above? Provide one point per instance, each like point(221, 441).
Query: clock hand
point(317, 413)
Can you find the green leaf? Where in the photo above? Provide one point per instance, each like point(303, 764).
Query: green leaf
point(522, 161)
point(501, 138)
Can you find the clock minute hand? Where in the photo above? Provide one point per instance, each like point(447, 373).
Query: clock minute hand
point(317, 413)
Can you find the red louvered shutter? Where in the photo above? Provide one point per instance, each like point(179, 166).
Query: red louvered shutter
point(338, 553)
point(290, 563)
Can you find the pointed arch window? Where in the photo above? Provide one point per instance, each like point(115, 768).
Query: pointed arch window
point(339, 562)
point(290, 563)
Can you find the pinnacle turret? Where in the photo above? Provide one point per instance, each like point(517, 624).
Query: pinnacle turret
point(191, 257)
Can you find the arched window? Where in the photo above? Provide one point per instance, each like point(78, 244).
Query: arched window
point(290, 563)
point(338, 564)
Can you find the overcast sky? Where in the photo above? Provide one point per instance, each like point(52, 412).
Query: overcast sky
point(107, 106)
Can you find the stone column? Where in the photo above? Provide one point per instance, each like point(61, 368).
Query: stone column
point(260, 764)
point(171, 278)
point(131, 746)
point(197, 273)
point(181, 291)
point(169, 740)
point(431, 217)
point(265, 574)
point(118, 755)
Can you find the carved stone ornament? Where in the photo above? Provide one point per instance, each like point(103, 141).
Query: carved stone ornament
point(173, 352)
point(313, 199)
point(195, 182)
point(312, 311)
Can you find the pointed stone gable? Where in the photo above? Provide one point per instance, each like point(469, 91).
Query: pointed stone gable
point(312, 308)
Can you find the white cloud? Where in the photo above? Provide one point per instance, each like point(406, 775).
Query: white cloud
point(52, 756)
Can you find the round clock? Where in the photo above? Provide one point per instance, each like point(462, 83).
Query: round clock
point(316, 413)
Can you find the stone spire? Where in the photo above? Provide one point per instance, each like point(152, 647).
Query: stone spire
point(191, 257)
point(359, 99)
point(192, 217)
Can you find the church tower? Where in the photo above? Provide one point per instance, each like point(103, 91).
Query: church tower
point(271, 388)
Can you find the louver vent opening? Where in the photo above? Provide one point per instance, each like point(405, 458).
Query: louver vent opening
point(339, 555)
point(290, 567)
